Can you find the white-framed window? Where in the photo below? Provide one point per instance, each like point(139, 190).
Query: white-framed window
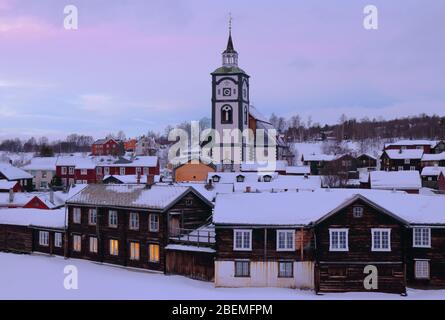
point(77, 243)
point(64, 181)
point(106, 171)
point(422, 238)
point(242, 240)
point(285, 269)
point(400, 168)
point(77, 215)
point(422, 269)
point(43, 184)
point(44, 238)
point(83, 172)
point(85, 181)
point(338, 240)
point(146, 171)
point(381, 239)
point(63, 170)
point(134, 250)
point(71, 170)
point(93, 244)
point(71, 181)
point(357, 212)
point(407, 161)
point(412, 168)
point(138, 170)
point(58, 240)
point(153, 222)
point(114, 247)
point(134, 221)
point(92, 217)
point(242, 268)
point(99, 170)
point(112, 218)
point(122, 171)
point(153, 252)
point(285, 240)
point(44, 174)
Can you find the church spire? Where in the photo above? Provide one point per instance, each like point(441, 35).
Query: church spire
point(230, 56)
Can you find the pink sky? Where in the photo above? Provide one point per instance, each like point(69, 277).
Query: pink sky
point(140, 65)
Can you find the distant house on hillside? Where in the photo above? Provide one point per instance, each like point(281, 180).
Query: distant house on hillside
point(430, 160)
point(401, 159)
point(431, 175)
point(105, 147)
point(366, 161)
point(428, 146)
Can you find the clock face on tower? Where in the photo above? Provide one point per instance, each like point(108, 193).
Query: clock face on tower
point(227, 92)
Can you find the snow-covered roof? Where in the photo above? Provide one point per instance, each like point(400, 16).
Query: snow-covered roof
point(250, 177)
point(130, 195)
point(319, 157)
point(399, 180)
point(432, 171)
point(298, 170)
point(257, 115)
point(303, 208)
point(367, 155)
point(405, 154)
point(13, 173)
point(41, 163)
point(278, 165)
point(131, 178)
point(431, 143)
point(7, 185)
point(79, 162)
point(434, 156)
point(33, 217)
point(141, 161)
point(181, 247)
point(281, 183)
point(19, 199)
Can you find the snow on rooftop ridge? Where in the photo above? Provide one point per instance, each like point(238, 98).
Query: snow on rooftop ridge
point(405, 154)
point(433, 171)
point(434, 156)
point(41, 163)
point(13, 173)
point(431, 143)
point(304, 208)
point(33, 217)
point(406, 180)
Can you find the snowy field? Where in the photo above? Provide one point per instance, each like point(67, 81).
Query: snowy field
point(42, 277)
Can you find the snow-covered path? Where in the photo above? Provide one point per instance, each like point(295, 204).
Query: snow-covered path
point(42, 277)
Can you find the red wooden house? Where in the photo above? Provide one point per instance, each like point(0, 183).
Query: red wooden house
point(105, 147)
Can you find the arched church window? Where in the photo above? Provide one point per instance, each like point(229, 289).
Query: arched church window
point(246, 116)
point(226, 114)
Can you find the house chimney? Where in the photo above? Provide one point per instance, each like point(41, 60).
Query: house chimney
point(150, 180)
point(248, 189)
point(11, 196)
point(51, 196)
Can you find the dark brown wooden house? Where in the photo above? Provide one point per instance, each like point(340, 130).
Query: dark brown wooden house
point(366, 161)
point(357, 234)
point(401, 159)
point(131, 225)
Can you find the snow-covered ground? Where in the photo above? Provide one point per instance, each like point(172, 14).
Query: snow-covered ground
point(42, 277)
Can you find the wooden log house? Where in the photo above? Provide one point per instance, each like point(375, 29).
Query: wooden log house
point(130, 225)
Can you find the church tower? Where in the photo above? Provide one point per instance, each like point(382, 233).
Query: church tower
point(230, 104)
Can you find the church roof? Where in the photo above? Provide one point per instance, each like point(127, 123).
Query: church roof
point(228, 70)
point(230, 48)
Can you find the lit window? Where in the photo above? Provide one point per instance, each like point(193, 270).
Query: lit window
point(357, 212)
point(422, 269)
point(114, 247)
point(112, 218)
point(285, 240)
point(134, 221)
point(422, 237)
point(44, 238)
point(242, 240)
point(77, 243)
point(93, 244)
point(92, 217)
point(381, 239)
point(76, 215)
point(338, 240)
point(242, 268)
point(154, 223)
point(58, 240)
point(285, 269)
point(153, 252)
point(134, 250)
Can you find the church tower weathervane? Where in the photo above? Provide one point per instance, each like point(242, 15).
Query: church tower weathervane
point(230, 56)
